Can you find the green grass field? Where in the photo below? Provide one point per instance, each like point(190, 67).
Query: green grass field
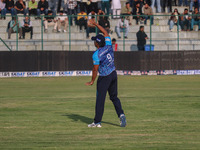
point(163, 112)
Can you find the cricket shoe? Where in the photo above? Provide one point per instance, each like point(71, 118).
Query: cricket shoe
point(94, 125)
point(122, 120)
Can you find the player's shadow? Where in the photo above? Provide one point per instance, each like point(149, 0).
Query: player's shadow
point(84, 119)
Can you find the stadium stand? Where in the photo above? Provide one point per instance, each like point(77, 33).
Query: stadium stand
point(73, 39)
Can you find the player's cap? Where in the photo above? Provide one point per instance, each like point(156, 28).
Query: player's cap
point(100, 39)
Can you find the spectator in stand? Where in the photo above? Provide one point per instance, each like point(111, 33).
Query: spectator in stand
point(42, 8)
point(9, 8)
point(91, 27)
point(93, 6)
point(135, 2)
point(122, 26)
point(169, 5)
point(27, 27)
point(20, 7)
point(116, 9)
point(62, 21)
point(84, 6)
point(100, 13)
point(92, 13)
point(53, 6)
point(141, 3)
point(2, 7)
point(181, 2)
point(148, 12)
point(185, 20)
point(158, 5)
point(127, 10)
point(71, 4)
point(50, 21)
point(175, 20)
point(107, 25)
point(14, 26)
point(137, 11)
point(131, 3)
point(114, 44)
point(82, 20)
point(141, 39)
point(60, 6)
point(194, 3)
point(175, 2)
point(32, 7)
point(79, 6)
point(103, 21)
point(148, 2)
point(195, 18)
point(105, 5)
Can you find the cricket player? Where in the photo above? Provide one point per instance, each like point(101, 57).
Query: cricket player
point(103, 60)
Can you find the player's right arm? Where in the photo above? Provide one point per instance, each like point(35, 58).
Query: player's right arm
point(94, 75)
point(105, 33)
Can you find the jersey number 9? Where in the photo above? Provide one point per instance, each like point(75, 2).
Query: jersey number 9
point(109, 57)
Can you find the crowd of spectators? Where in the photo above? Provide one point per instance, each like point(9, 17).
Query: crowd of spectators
point(184, 21)
point(58, 13)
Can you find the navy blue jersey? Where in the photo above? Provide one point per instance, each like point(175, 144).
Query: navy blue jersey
point(104, 57)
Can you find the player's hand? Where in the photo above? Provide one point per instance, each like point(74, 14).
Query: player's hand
point(89, 83)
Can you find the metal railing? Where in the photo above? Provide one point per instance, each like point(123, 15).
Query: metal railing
point(160, 37)
point(5, 44)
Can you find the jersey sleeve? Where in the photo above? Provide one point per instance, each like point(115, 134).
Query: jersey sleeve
point(108, 40)
point(95, 58)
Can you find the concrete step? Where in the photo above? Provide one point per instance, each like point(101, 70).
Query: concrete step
point(132, 47)
point(25, 48)
point(132, 29)
point(132, 36)
point(91, 43)
point(88, 45)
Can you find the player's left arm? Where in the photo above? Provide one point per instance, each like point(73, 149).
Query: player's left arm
point(94, 75)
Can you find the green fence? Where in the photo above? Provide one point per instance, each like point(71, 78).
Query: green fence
point(160, 37)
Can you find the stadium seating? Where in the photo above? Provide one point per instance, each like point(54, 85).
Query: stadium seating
point(161, 37)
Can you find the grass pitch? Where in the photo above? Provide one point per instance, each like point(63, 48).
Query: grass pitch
point(163, 112)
